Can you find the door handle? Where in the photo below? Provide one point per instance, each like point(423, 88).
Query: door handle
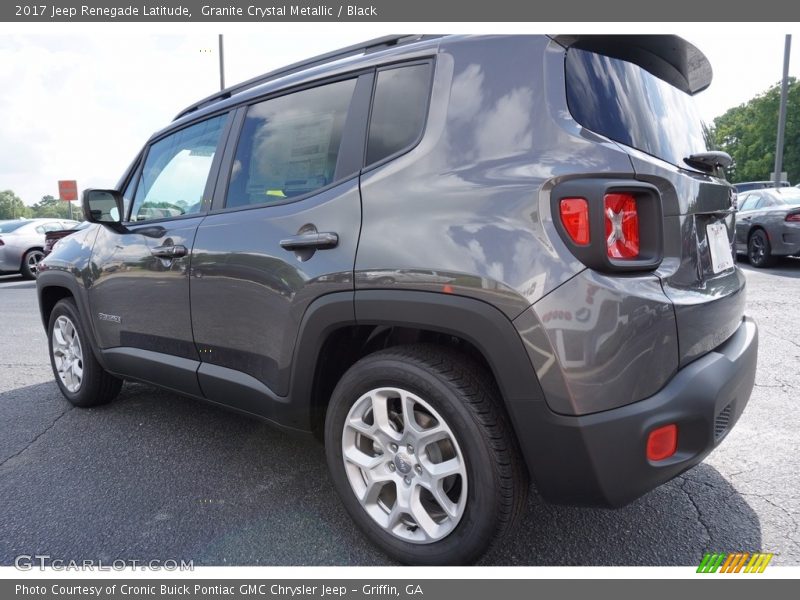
point(312, 240)
point(169, 252)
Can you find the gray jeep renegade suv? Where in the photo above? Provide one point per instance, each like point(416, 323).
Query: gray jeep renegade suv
point(462, 262)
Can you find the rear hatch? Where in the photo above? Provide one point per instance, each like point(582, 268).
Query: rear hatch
point(637, 91)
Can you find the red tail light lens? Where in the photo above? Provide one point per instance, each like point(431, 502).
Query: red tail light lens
point(622, 226)
point(575, 218)
point(662, 442)
point(794, 217)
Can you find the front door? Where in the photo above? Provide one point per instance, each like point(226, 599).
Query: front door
point(139, 295)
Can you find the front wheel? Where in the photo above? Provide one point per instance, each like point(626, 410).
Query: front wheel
point(78, 374)
point(422, 456)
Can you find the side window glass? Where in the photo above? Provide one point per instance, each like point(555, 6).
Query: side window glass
point(289, 145)
point(175, 172)
point(398, 110)
point(749, 202)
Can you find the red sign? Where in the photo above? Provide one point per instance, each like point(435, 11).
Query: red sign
point(68, 190)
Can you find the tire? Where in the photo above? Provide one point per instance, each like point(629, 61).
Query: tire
point(29, 262)
point(68, 343)
point(759, 250)
point(451, 394)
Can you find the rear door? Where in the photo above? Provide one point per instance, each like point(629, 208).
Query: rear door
point(140, 291)
point(283, 232)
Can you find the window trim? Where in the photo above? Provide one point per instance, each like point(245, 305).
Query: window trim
point(388, 67)
point(352, 123)
point(209, 188)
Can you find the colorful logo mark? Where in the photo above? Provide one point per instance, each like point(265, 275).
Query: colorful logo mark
point(735, 562)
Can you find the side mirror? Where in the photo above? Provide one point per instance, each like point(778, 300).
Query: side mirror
point(103, 206)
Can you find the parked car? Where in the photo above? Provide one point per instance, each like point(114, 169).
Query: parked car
point(768, 225)
point(22, 243)
point(51, 238)
point(747, 186)
point(487, 274)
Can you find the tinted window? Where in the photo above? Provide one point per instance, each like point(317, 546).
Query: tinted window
point(174, 176)
point(398, 110)
point(289, 145)
point(624, 102)
point(9, 226)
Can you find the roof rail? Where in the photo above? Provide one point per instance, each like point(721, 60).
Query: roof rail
point(373, 45)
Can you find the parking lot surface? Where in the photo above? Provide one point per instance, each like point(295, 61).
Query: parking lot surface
point(157, 476)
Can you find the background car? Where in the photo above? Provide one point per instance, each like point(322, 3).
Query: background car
point(22, 243)
point(746, 186)
point(51, 237)
point(768, 225)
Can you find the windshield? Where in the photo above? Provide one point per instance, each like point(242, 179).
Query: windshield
point(622, 101)
point(9, 226)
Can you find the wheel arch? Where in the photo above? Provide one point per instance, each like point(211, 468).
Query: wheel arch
point(338, 329)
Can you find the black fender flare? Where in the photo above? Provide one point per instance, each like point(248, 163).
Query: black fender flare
point(51, 278)
point(475, 321)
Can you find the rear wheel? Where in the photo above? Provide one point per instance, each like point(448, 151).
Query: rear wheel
point(759, 251)
point(30, 263)
point(78, 374)
point(422, 456)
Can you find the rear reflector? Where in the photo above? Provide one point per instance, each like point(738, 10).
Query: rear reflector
point(575, 218)
point(662, 442)
point(622, 226)
point(794, 217)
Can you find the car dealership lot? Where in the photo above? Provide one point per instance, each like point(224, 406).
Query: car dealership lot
point(157, 476)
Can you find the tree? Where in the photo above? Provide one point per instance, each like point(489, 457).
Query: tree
point(52, 207)
point(748, 133)
point(12, 207)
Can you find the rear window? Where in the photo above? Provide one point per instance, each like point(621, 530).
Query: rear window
point(622, 101)
point(789, 196)
point(10, 226)
point(398, 110)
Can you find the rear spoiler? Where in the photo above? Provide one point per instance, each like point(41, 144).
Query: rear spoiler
point(668, 57)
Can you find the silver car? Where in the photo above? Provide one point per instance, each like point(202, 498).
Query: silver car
point(768, 225)
point(22, 243)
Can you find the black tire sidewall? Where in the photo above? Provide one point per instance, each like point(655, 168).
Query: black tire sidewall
point(85, 394)
point(24, 270)
point(477, 526)
point(767, 249)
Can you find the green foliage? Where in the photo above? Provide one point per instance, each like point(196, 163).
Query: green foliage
point(12, 207)
point(54, 208)
point(748, 133)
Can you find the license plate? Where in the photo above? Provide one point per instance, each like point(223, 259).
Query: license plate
point(719, 246)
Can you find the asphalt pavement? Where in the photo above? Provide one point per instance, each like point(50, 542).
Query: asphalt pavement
point(158, 476)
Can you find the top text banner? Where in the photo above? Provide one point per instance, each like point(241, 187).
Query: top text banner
point(398, 11)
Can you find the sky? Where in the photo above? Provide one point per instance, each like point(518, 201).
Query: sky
point(79, 104)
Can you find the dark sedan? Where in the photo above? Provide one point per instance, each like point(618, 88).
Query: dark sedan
point(768, 225)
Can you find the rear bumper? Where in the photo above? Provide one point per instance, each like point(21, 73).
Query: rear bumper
point(599, 459)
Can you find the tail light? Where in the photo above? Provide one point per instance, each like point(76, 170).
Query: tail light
point(610, 225)
point(791, 217)
point(622, 226)
point(575, 217)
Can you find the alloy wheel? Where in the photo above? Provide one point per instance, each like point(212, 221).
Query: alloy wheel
point(67, 353)
point(404, 465)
